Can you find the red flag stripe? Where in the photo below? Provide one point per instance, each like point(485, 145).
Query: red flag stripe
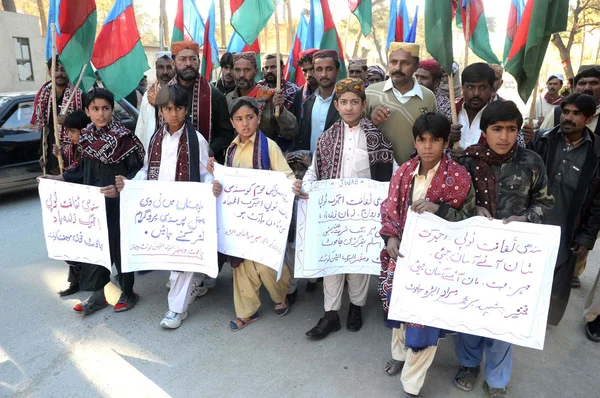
point(327, 18)
point(235, 4)
point(116, 39)
point(179, 16)
point(521, 37)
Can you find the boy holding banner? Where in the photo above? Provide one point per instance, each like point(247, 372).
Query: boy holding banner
point(108, 150)
point(510, 185)
point(429, 182)
point(351, 148)
point(251, 149)
point(176, 152)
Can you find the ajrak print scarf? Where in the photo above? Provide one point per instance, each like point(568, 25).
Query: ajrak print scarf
point(330, 147)
point(553, 101)
point(111, 143)
point(187, 168)
point(451, 184)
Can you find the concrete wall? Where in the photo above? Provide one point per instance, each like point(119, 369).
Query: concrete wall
point(26, 26)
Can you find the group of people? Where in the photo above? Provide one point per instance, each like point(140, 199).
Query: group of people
point(395, 128)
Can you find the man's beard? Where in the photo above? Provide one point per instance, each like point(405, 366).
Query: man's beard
point(187, 74)
point(270, 78)
point(243, 84)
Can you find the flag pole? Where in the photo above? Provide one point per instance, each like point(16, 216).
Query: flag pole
point(452, 97)
point(532, 107)
point(468, 30)
point(54, 104)
point(65, 109)
point(278, 54)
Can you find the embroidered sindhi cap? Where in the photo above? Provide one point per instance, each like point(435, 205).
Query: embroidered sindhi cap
point(184, 45)
point(411, 48)
point(350, 85)
point(326, 54)
point(248, 55)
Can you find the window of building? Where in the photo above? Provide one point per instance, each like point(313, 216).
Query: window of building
point(23, 56)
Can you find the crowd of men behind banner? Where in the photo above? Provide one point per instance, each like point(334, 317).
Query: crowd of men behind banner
point(396, 126)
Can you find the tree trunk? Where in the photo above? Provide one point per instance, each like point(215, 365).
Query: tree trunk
point(222, 18)
point(43, 20)
point(378, 47)
point(290, 29)
point(565, 56)
point(9, 5)
point(357, 44)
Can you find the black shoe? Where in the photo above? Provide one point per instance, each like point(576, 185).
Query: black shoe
point(72, 289)
point(323, 328)
point(291, 298)
point(354, 321)
point(310, 287)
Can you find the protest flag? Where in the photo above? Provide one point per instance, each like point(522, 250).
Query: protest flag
point(188, 25)
point(399, 25)
point(118, 53)
point(541, 19)
point(249, 17)
point(330, 39)
point(291, 70)
point(210, 50)
point(316, 25)
point(475, 30)
point(514, 20)
point(362, 9)
point(412, 33)
point(75, 23)
point(238, 45)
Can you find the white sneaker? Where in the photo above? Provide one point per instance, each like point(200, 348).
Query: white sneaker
point(209, 282)
point(172, 320)
point(197, 291)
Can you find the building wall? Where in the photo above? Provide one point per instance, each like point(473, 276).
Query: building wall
point(24, 26)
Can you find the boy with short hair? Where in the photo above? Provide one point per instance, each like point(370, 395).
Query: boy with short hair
point(108, 149)
point(74, 123)
point(176, 152)
point(351, 148)
point(429, 182)
point(510, 185)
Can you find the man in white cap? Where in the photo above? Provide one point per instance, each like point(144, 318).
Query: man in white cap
point(545, 104)
point(147, 120)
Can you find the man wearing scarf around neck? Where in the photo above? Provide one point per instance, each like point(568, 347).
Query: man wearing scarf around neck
point(207, 107)
point(511, 185)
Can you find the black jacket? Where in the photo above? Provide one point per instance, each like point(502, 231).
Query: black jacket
point(584, 212)
point(302, 141)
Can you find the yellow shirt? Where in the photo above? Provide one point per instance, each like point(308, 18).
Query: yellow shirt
point(243, 156)
point(421, 183)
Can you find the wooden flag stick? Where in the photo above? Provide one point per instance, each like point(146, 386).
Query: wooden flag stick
point(532, 107)
point(278, 54)
point(452, 97)
point(54, 104)
point(468, 35)
point(64, 110)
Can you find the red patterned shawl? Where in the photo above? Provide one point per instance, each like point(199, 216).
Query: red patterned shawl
point(110, 144)
point(42, 107)
point(451, 184)
point(330, 148)
point(201, 109)
point(182, 169)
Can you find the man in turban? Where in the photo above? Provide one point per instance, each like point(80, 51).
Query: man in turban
point(207, 107)
point(375, 74)
point(429, 75)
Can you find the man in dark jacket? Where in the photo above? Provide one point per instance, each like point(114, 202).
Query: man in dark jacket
point(571, 153)
point(319, 112)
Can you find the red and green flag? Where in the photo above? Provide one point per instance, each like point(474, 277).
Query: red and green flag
point(118, 53)
point(210, 50)
point(438, 31)
point(188, 25)
point(514, 19)
point(362, 9)
point(249, 17)
point(330, 39)
point(75, 22)
point(478, 34)
point(540, 20)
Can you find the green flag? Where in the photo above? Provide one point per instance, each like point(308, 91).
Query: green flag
point(438, 32)
point(540, 20)
point(362, 9)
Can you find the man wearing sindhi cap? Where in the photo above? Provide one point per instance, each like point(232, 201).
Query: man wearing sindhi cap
point(395, 104)
point(207, 107)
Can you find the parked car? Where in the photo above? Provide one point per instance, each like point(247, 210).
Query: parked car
point(20, 146)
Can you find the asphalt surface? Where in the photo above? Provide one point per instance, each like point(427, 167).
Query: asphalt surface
point(47, 350)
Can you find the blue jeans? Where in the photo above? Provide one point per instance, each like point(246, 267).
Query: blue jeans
point(498, 365)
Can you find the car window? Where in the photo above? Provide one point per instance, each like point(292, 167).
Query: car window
point(20, 119)
point(121, 113)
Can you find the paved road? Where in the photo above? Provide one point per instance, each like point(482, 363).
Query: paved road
point(47, 350)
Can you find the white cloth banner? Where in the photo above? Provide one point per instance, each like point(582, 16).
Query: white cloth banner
point(338, 228)
point(255, 212)
point(169, 226)
point(74, 218)
point(476, 276)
